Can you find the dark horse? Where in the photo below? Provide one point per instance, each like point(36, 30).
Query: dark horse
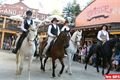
point(104, 52)
point(56, 51)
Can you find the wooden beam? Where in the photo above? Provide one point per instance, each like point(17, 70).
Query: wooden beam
point(4, 22)
point(2, 40)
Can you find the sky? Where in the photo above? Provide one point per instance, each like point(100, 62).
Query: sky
point(47, 6)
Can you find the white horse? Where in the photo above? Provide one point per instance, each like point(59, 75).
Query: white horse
point(74, 43)
point(27, 50)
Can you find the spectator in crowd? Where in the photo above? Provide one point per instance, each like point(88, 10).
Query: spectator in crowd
point(83, 52)
point(116, 57)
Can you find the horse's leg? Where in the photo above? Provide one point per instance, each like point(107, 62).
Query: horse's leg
point(88, 57)
point(41, 58)
point(62, 63)
point(103, 65)
point(17, 63)
point(69, 63)
point(21, 63)
point(45, 63)
point(110, 66)
point(29, 66)
point(97, 62)
point(53, 67)
point(29, 63)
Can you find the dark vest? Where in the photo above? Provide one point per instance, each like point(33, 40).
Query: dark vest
point(54, 30)
point(26, 25)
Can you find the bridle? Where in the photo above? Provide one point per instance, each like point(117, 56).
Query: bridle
point(29, 40)
point(75, 42)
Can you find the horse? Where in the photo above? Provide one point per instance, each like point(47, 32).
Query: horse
point(104, 52)
point(74, 43)
point(56, 51)
point(27, 50)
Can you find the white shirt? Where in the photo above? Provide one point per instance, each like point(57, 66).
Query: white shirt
point(102, 32)
point(65, 27)
point(28, 21)
point(49, 30)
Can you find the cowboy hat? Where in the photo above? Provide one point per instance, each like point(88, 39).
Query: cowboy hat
point(54, 19)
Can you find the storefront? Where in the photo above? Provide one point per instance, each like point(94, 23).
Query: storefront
point(97, 13)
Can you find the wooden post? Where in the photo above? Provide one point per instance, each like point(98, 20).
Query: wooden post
point(3, 33)
point(2, 39)
point(4, 22)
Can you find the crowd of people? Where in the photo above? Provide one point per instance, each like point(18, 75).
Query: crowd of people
point(9, 42)
point(84, 51)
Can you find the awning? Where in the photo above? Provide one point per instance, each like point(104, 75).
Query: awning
point(99, 12)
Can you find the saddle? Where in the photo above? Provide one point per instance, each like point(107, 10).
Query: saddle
point(51, 44)
point(45, 43)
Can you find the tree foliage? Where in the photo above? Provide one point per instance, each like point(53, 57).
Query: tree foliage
point(72, 9)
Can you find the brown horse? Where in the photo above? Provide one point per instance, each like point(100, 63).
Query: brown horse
point(56, 51)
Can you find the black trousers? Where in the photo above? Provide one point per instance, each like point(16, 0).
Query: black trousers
point(22, 37)
point(36, 44)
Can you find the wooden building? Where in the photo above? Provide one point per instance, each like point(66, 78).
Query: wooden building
point(97, 13)
point(8, 28)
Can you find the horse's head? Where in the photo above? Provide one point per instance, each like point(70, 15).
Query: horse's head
point(77, 36)
point(113, 42)
point(32, 34)
point(64, 38)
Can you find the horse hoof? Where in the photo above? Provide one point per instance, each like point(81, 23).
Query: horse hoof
point(59, 75)
point(97, 71)
point(18, 73)
point(42, 68)
point(66, 71)
point(107, 73)
point(53, 76)
point(70, 73)
point(85, 67)
point(102, 72)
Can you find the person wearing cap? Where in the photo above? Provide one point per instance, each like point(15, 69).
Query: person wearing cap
point(53, 32)
point(66, 27)
point(24, 27)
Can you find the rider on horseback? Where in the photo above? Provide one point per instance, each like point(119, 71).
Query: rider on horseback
point(103, 35)
point(66, 29)
point(25, 27)
point(53, 32)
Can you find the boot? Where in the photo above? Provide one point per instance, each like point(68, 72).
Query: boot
point(17, 46)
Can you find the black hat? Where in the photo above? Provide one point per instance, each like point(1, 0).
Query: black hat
point(66, 21)
point(54, 19)
point(29, 13)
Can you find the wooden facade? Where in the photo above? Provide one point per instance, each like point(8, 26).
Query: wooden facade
point(9, 27)
point(96, 14)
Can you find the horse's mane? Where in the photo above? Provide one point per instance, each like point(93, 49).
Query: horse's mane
point(112, 42)
point(60, 38)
